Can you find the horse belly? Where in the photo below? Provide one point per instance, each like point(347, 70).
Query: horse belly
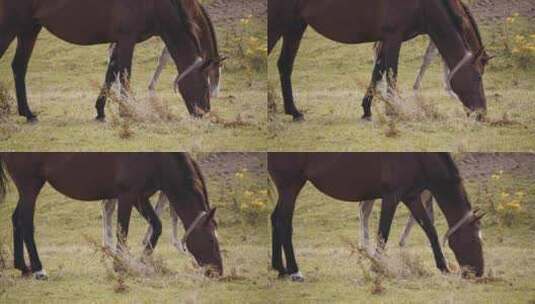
point(79, 22)
point(346, 21)
point(346, 176)
point(83, 176)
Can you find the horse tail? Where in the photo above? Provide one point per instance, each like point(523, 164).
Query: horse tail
point(3, 182)
point(188, 9)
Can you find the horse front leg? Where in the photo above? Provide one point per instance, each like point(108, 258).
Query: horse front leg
point(26, 222)
point(125, 53)
point(422, 217)
point(282, 230)
point(25, 45)
point(145, 209)
point(160, 205)
point(388, 209)
point(18, 242)
point(125, 204)
point(377, 75)
point(111, 72)
point(285, 64)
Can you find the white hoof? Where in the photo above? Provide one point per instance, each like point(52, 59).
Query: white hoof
point(297, 277)
point(40, 275)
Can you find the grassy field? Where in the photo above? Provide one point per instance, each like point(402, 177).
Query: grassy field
point(326, 232)
point(330, 80)
point(63, 82)
point(79, 273)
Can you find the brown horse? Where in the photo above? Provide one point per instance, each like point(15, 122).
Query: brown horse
point(131, 178)
point(389, 21)
point(209, 47)
point(393, 177)
point(473, 40)
point(125, 22)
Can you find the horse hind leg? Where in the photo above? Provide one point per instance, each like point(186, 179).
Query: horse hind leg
point(108, 207)
point(26, 43)
point(366, 208)
point(290, 46)
point(429, 55)
point(164, 59)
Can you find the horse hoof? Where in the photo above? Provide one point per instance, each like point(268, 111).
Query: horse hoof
point(32, 120)
point(40, 275)
point(366, 117)
point(297, 277)
point(299, 118)
point(100, 119)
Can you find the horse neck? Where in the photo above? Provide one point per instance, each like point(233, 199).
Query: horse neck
point(444, 33)
point(181, 186)
point(452, 200)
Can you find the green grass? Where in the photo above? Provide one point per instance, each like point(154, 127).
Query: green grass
point(323, 228)
point(63, 82)
point(77, 274)
point(330, 80)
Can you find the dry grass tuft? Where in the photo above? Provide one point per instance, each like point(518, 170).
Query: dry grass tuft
point(6, 100)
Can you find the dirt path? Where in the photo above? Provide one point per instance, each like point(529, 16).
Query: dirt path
point(225, 12)
point(482, 165)
point(498, 10)
point(223, 166)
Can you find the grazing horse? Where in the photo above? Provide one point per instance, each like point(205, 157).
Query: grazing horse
point(473, 39)
point(131, 178)
point(389, 21)
point(125, 22)
point(366, 208)
point(393, 177)
point(209, 49)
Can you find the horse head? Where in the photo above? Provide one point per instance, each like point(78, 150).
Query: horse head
point(464, 238)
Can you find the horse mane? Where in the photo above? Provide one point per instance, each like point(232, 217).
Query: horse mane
point(193, 176)
point(458, 20)
point(187, 10)
point(3, 183)
point(202, 181)
point(211, 29)
point(451, 167)
point(473, 23)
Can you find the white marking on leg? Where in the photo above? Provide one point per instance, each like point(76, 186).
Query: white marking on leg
point(366, 208)
point(108, 207)
point(174, 235)
point(164, 58)
point(429, 55)
point(40, 275)
point(297, 277)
